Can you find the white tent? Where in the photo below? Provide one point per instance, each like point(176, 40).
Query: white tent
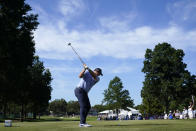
point(105, 112)
point(108, 113)
point(129, 112)
point(133, 111)
point(122, 113)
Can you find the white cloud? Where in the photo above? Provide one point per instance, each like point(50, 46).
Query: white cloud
point(63, 88)
point(51, 41)
point(118, 23)
point(113, 38)
point(182, 11)
point(121, 69)
point(64, 68)
point(113, 24)
point(62, 82)
point(37, 9)
point(71, 7)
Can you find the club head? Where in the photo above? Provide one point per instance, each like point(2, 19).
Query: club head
point(69, 44)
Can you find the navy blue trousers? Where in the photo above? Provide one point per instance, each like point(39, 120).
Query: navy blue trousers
point(84, 104)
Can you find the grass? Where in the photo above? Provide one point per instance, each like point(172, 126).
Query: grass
point(71, 124)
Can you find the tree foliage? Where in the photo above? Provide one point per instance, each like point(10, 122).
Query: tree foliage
point(167, 81)
point(24, 82)
point(115, 97)
point(58, 107)
point(40, 87)
point(73, 107)
point(16, 50)
point(100, 107)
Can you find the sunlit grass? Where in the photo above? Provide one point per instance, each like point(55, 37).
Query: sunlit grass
point(71, 124)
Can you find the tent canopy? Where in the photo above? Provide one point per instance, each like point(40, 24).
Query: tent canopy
point(131, 111)
point(105, 112)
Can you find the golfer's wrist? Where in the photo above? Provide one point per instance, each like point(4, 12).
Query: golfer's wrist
point(86, 67)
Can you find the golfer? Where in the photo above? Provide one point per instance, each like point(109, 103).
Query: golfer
point(88, 79)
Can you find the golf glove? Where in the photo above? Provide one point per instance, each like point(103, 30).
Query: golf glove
point(86, 67)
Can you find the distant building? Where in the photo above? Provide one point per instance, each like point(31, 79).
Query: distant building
point(122, 114)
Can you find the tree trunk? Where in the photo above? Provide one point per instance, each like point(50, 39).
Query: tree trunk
point(34, 115)
point(22, 113)
point(25, 115)
point(4, 109)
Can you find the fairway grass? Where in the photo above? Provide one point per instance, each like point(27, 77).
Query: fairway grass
point(130, 125)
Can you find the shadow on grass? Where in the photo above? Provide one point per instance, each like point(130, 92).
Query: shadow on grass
point(130, 125)
point(50, 120)
point(40, 120)
point(12, 126)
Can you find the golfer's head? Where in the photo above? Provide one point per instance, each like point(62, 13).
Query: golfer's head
point(98, 71)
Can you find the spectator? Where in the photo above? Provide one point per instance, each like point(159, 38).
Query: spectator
point(165, 116)
point(190, 110)
point(177, 114)
point(185, 113)
point(170, 115)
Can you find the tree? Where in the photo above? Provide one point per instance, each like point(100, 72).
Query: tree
point(164, 87)
point(40, 87)
point(100, 107)
point(115, 97)
point(58, 107)
point(189, 90)
point(16, 50)
point(73, 107)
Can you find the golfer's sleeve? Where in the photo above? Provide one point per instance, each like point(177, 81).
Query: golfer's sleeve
point(85, 74)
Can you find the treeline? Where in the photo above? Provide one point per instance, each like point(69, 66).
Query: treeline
point(115, 98)
point(168, 85)
point(60, 107)
point(25, 84)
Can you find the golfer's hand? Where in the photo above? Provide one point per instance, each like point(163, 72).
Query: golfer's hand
point(85, 66)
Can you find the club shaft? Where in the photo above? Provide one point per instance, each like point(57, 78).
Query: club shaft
point(77, 55)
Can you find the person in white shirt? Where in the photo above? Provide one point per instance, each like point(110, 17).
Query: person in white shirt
point(185, 113)
point(190, 111)
point(88, 79)
point(165, 116)
point(177, 114)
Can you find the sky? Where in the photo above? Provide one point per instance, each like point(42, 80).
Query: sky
point(112, 35)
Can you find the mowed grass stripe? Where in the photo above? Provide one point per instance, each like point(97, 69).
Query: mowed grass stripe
point(134, 125)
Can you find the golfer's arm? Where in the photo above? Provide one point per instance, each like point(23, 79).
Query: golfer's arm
point(82, 73)
point(92, 73)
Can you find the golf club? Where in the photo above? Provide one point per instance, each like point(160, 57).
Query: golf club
point(69, 44)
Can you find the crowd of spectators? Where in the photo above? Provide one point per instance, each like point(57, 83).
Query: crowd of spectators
point(185, 114)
